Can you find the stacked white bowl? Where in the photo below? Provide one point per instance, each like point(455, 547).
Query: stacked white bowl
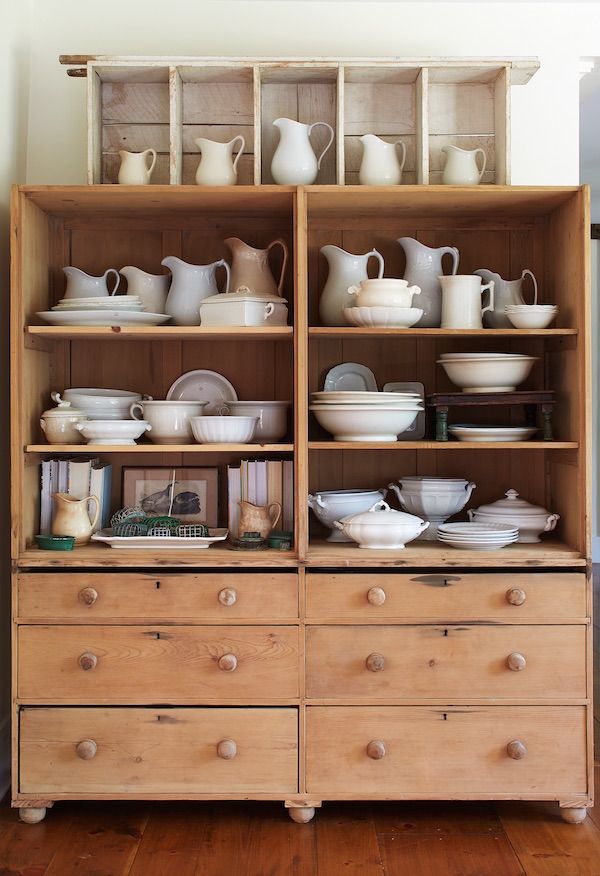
point(383, 303)
point(487, 372)
point(108, 418)
point(477, 536)
point(433, 499)
point(531, 316)
point(365, 416)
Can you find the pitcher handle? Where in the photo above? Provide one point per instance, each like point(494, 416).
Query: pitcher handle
point(223, 264)
point(528, 273)
point(283, 245)
point(151, 152)
point(269, 308)
point(240, 150)
point(274, 514)
point(374, 254)
point(488, 287)
point(479, 149)
point(453, 251)
point(330, 129)
point(133, 408)
point(97, 513)
point(402, 163)
point(118, 278)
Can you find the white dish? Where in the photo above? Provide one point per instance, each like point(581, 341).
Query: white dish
point(478, 529)
point(382, 316)
point(331, 505)
point(433, 505)
point(531, 520)
point(102, 300)
point(105, 317)
point(63, 308)
point(243, 309)
point(382, 528)
point(272, 417)
point(488, 375)
point(492, 433)
point(145, 542)
point(112, 431)
point(201, 385)
point(102, 404)
point(366, 424)
point(366, 398)
point(170, 420)
point(350, 376)
point(524, 320)
point(223, 430)
point(416, 430)
point(477, 356)
point(384, 292)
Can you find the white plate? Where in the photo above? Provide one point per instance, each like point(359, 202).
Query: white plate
point(417, 430)
point(350, 376)
point(208, 386)
point(362, 397)
point(472, 546)
point(492, 433)
point(102, 317)
point(145, 542)
point(478, 528)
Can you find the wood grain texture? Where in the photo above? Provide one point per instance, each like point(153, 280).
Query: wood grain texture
point(347, 842)
point(432, 856)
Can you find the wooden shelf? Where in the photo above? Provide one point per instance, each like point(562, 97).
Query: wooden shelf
point(159, 448)
point(354, 332)
point(443, 445)
point(163, 333)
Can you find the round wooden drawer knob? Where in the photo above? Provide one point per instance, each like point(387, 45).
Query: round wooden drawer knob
point(516, 662)
point(376, 596)
point(375, 662)
point(228, 596)
point(86, 749)
point(516, 596)
point(228, 662)
point(88, 661)
point(376, 749)
point(227, 749)
point(516, 749)
point(88, 596)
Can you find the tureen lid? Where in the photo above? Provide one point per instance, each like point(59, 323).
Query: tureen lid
point(512, 506)
point(243, 293)
point(381, 513)
point(62, 409)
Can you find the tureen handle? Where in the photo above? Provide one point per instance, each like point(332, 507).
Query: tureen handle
point(381, 505)
point(551, 522)
point(470, 515)
point(338, 525)
point(424, 525)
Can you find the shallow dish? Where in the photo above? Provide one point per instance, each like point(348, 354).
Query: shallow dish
point(488, 374)
point(480, 434)
point(112, 431)
point(350, 376)
point(365, 424)
point(202, 385)
point(103, 318)
point(223, 430)
point(384, 292)
point(172, 542)
point(382, 316)
point(55, 542)
point(529, 320)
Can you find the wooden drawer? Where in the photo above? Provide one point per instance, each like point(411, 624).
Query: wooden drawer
point(136, 597)
point(445, 596)
point(449, 753)
point(157, 664)
point(158, 751)
point(446, 661)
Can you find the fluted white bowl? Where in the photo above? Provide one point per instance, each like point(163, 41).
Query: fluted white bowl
point(223, 430)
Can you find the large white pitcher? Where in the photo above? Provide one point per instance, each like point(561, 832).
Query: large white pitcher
point(294, 162)
point(423, 267)
point(217, 166)
point(461, 166)
point(151, 288)
point(190, 285)
point(462, 301)
point(505, 292)
point(380, 165)
point(345, 270)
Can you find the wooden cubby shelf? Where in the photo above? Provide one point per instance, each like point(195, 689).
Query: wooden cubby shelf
point(159, 448)
point(443, 445)
point(162, 333)
point(349, 332)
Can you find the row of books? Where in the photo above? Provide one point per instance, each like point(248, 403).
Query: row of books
point(261, 482)
point(79, 477)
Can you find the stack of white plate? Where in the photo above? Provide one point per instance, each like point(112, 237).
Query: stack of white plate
point(477, 536)
point(365, 416)
point(105, 302)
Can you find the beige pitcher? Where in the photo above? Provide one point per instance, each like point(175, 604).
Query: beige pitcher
point(250, 267)
point(258, 518)
point(71, 517)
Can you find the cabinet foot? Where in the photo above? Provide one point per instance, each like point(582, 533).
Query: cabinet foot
point(573, 815)
point(301, 814)
point(32, 815)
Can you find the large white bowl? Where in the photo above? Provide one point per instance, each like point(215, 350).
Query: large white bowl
point(112, 431)
point(331, 505)
point(385, 292)
point(433, 505)
point(382, 316)
point(224, 430)
point(488, 374)
point(170, 420)
point(102, 404)
point(272, 417)
point(364, 423)
point(531, 319)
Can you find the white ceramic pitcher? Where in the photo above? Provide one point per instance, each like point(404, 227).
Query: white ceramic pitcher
point(82, 285)
point(461, 166)
point(423, 267)
point(151, 288)
point(345, 271)
point(505, 292)
point(190, 285)
point(380, 165)
point(462, 306)
point(294, 162)
point(217, 166)
point(134, 170)
point(250, 267)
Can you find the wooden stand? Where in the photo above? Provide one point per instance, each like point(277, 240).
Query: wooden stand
point(442, 401)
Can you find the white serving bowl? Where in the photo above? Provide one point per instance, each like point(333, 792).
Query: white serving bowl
point(381, 528)
point(364, 423)
point(384, 291)
point(382, 316)
point(224, 430)
point(433, 505)
point(112, 431)
point(499, 374)
point(170, 420)
point(532, 317)
point(102, 404)
point(425, 483)
point(331, 505)
point(272, 417)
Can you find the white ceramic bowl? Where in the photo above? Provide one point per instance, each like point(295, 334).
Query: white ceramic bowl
point(331, 505)
point(102, 404)
point(382, 316)
point(170, 420)
point(224, 430)
point(382, 528)
point(112, 431)
point(488, 374)
point(385, 291)
point(364, 423)
point(433, 505)
point(531, 318)
point(272, 417)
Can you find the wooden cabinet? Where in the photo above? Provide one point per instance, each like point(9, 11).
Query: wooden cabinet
point(326, 670)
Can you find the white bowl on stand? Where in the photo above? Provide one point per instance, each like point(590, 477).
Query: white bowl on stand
point(435, 505)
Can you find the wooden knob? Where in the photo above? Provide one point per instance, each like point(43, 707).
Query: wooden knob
point(228, 596)
point(227, 748)
point(516, 662)
point(376, 596)
point(88, 596)
point(516, 596)
point(88, 661)
point(516, 749)
point(86, 749)
point(228, 662)
point(375, 662)
point(376, 749)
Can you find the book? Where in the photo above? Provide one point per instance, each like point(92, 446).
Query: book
point(234, 494)
point(79, 476)
point(252, 482)
point(275, 482)
point(63, 476)
point(288, 495)
point(261, 482)
point(49, 475)
point(244, 480)
point(100, 486)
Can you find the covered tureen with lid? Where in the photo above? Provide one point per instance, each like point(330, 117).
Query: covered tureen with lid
point(531, 520)
point(382, 527)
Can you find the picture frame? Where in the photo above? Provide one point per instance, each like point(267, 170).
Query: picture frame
point(195, 498)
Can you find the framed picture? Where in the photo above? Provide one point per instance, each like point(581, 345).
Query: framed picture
point(190, 494)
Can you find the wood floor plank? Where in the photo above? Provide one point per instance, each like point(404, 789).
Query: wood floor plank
point(347, 840)
point(29, 848)
point(278, 846)
point(546, 845)
point(175, 838)
point(439, 817)
point(449, 855)
point(594, 812)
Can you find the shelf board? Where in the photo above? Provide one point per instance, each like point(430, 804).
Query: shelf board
point(159, 448)
point(443, 445)
point(163, 333)
point(355, 332)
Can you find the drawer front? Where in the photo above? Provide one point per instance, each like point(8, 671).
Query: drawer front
point(208, 751)
point(123, 665)
point(446, 661)
point(447, 596)
point(412, 752)
point(130, 597)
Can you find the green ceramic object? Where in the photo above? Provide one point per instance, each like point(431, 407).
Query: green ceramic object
point(281, 540)
point(55, 542)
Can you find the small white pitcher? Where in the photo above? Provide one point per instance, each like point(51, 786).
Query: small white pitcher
point(134, 170)
point(461, 166)
point(380, 165)
point(217, 166)
point(82, 285)
point(151, 288)
point(294, 162)
point(461, 301)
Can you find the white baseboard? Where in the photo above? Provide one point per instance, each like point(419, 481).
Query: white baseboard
point(596, 549)
point(4, 755)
